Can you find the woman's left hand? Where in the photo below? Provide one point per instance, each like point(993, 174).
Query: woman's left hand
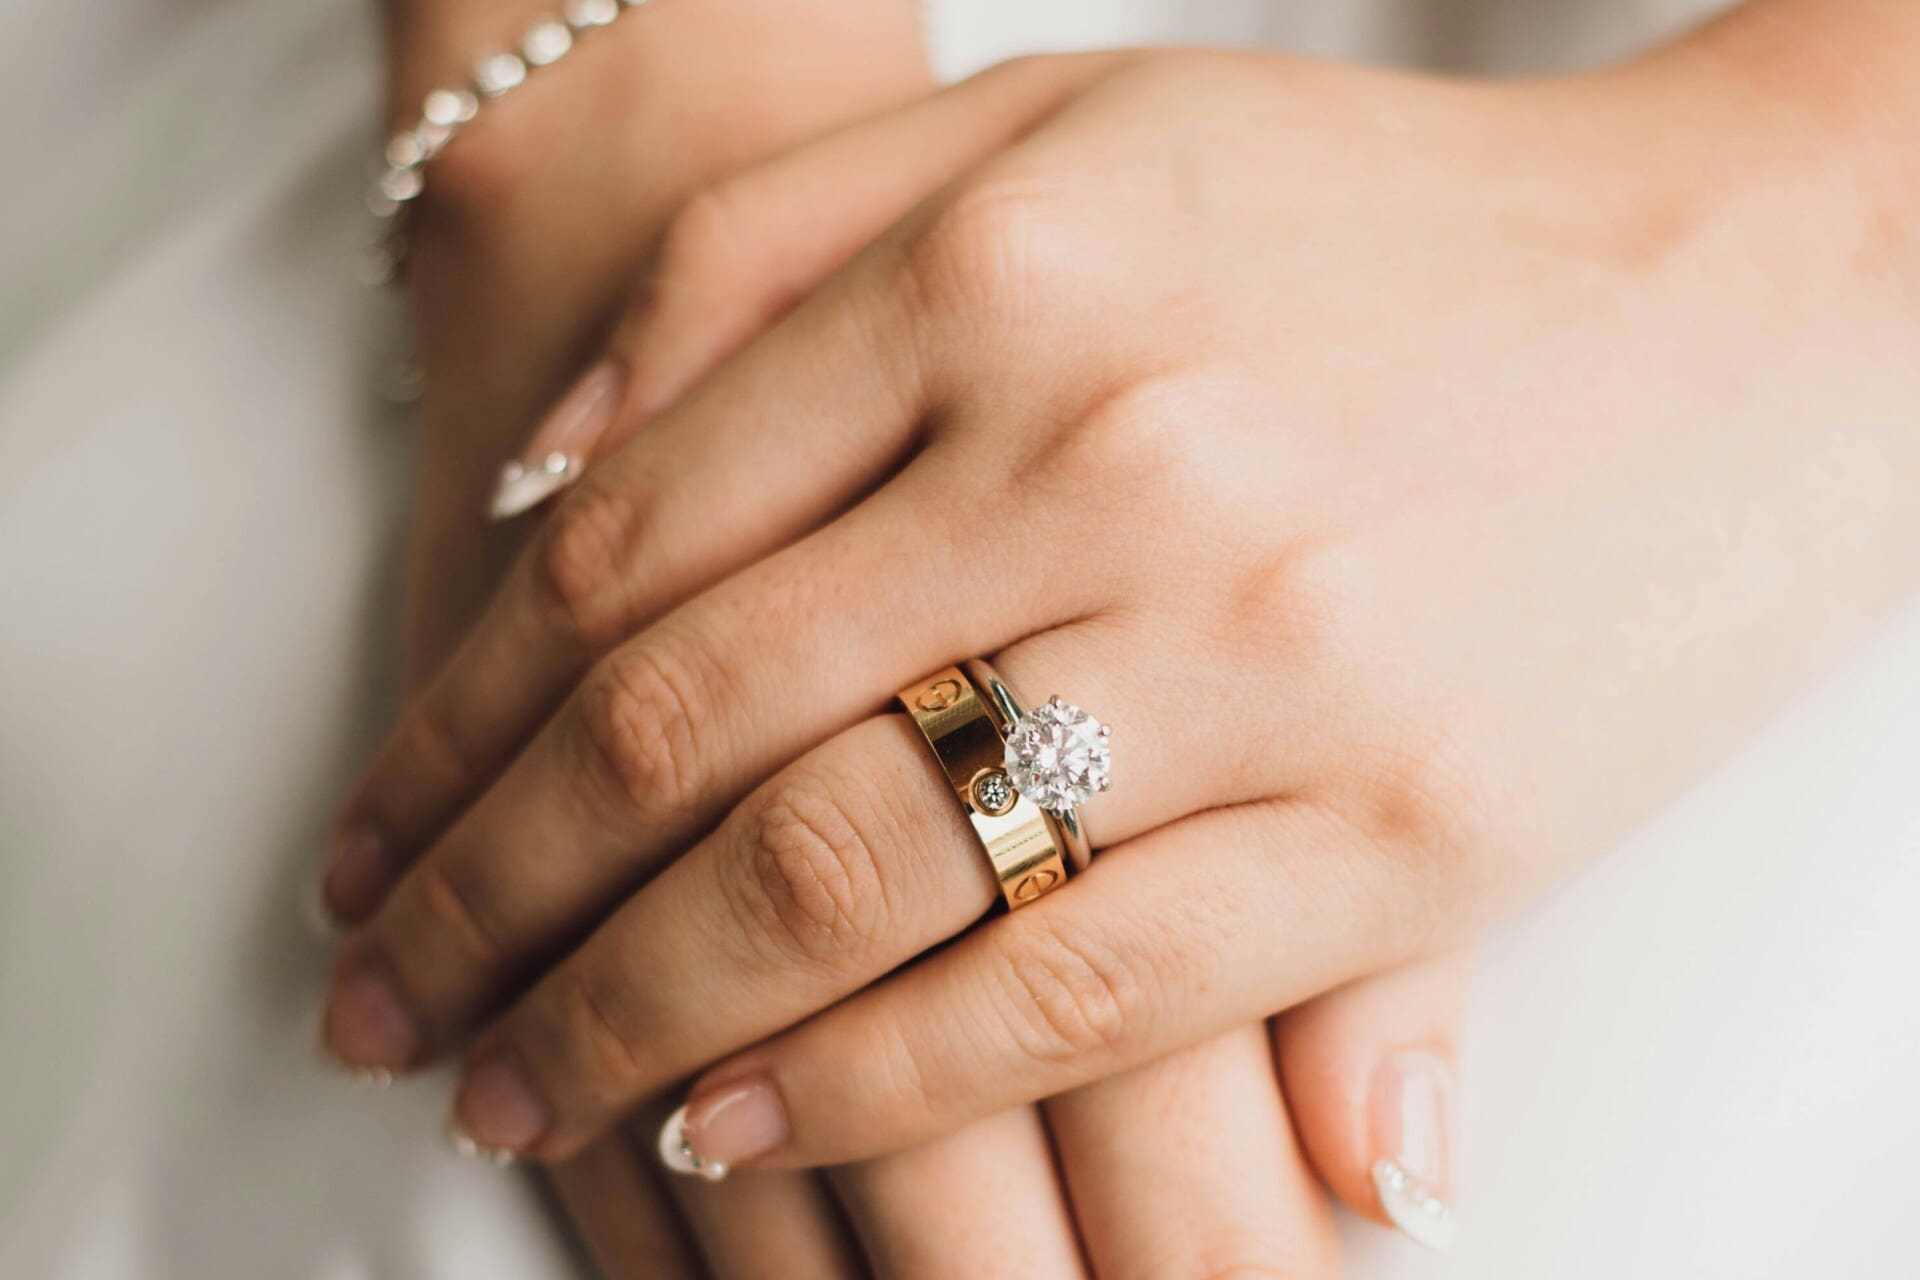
point(1414, 474)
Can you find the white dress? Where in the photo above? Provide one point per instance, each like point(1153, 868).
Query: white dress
point(1698, 1059)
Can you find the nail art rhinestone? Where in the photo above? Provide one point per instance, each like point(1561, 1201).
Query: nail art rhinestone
point(678, 1154)
point(1412, 1207)
point(467, 1148)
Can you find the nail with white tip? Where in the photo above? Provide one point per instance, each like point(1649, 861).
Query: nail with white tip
point(464, 1146)
point(678, 1155)
point(314, 912)
point(1411, 1126)
point(557, 455)
point(372, 1079)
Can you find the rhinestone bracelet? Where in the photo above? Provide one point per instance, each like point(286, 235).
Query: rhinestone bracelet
point(402, 172)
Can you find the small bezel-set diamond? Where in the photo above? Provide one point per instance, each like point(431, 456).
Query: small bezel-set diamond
point(993, 792)
point(1058, 756)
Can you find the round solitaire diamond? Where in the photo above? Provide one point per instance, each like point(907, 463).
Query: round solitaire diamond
point(1058, 755)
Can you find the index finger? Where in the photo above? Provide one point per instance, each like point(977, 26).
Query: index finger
point(715, 485)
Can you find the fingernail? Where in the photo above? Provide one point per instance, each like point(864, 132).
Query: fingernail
point(711, 1134)
point(557, 453)
point(365, 1025)
point(1412, 1127)
point(315, 913)
point(464, 1145)
point(677, 1153)
point(356, 876)
point(497, 1110)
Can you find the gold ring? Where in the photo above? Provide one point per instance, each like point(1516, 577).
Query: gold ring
point(966, 729)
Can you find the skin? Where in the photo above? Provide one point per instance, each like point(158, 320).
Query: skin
point(510, 291)
point(1494, 620)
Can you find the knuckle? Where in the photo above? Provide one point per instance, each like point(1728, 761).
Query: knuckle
point(600, 1045)
point(456, 904)
point(702, 238)
point(990, 249)
point(641, 724)
point(433, 744)
point(812, 881)
point(579, 563)
point(1427, 807)
point(1075, 997)
point(1129, 450)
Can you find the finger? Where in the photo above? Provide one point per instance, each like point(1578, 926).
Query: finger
point(722, 485)
point(1167, 939)
point(718, 483)
point(742, 252)
point(612, 1194)
point(1187, 1166)
point(770, 1226)
point(651, 750)
point(1369, 1072)
point(847, 864)
point(979, 1203)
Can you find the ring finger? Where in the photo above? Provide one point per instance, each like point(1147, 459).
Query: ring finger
point(846, 865)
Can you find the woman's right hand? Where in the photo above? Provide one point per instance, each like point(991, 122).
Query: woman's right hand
point(1178, 1167)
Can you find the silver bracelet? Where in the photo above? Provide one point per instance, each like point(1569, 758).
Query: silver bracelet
point(402, 172)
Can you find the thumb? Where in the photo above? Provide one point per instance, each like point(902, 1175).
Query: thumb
point(1370, 1073)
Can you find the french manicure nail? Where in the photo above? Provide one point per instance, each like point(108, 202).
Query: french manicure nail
point(717, 1131)
point(464, 1145)
point(677, 1153)
point(356, 876)
point(1412, 1126)
point(497, 1110)
point(366, 1027)
point(316, 915)
point(557, 453)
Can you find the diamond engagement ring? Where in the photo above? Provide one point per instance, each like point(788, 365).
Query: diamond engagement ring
point(1020, 775)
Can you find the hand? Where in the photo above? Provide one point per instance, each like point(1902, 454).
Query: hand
point(1187, 1166)
point(1054, 393)
point(537, 215)
point(1189, 1159)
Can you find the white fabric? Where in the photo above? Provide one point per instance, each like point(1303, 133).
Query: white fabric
point(1696, 1060)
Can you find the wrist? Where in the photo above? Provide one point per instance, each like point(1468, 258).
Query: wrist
point(437, 42)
